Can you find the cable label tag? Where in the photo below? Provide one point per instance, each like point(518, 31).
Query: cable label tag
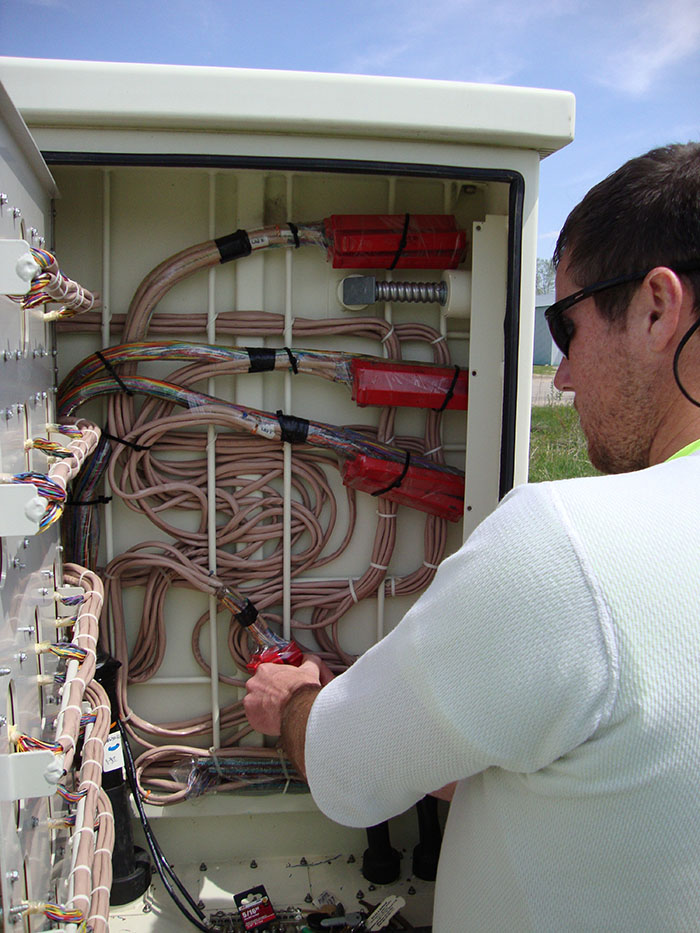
point(114, 753)
point(259, 242)
point(266, 429)
point(388, 908)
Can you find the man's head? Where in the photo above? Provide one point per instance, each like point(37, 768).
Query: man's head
point(645, 214)
point(642, 222)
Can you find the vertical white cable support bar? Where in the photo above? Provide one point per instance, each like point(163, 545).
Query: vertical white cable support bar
point(447, 209)
point(388, 317)
point(287, 448)
point(211, 485)
point(106, 335)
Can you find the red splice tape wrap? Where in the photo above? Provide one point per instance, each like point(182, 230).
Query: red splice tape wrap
point(385, 241)
point(407, 386)
point(440, 494)
point(292, 654)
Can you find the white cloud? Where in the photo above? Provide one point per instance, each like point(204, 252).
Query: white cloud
point(487, 42)
point(661, 35)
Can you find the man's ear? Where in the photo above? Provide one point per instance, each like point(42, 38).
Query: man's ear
point(663, 299)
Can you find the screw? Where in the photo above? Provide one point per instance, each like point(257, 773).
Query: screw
point(3, 198)
point(411, 890)
point(35, 822)
point(5, 671)
point(33, 232)
point(8, 414)
point(59, 549)
point(25, 543)
point(253, 864)
point(203, 866)
point(308, 899)
point(360, 896)
point(21, 656)
point(20, 409)
point(47, 573)
point(372, 887)
point(16, 213)
point(18, 354)
point(12, 876)
point(302, 861)
point(3, 721)
point(351, 859)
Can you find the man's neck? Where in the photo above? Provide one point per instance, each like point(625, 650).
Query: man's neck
point(669, 440)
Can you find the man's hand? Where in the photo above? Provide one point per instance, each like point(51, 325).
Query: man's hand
point(270, 688)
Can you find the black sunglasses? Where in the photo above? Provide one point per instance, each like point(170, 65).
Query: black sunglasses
point(562, 328)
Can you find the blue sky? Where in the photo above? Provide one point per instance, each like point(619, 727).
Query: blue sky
point(634, 65)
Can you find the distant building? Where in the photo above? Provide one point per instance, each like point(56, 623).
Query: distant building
point(545, 352)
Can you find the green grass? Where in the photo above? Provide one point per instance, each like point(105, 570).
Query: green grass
point(558, 449)
point(542, 370)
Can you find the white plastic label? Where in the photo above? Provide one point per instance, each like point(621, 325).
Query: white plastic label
point(388, 908)
point(17, 267)
point(114, 753)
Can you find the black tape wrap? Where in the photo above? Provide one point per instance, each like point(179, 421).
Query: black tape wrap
point(120, 440)
point(399, 479)
point(450, 392)
point(112, 371)
point(262, 359)
point(294, 430)
point(402, 242)
point(247, 615)
point(233, 246)
point(99, 500)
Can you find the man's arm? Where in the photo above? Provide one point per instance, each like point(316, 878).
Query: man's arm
point(295, 716)
point(279, 700)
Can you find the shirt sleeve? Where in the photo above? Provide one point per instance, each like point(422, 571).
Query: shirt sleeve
point(507, 661)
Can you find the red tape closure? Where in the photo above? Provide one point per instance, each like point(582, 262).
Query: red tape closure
point(432, 491)
point(404, 385)
point(394, 241)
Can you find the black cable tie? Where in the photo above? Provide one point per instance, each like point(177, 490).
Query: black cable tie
point(292, 360)
point(450, 392)
point(120, 440)
point(100, 500)
point(399, 479)
point(234, 246)
point(295, 233)
point(112, 371)
point(262, 359)
point(294, 430)
point(247, 615)
point(402, 242)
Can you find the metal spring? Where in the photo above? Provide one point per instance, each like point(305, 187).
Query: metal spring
point(411, 291)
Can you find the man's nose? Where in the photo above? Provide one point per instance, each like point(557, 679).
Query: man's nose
point(562, 377)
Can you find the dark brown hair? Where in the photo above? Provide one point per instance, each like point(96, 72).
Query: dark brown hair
point(645, 214)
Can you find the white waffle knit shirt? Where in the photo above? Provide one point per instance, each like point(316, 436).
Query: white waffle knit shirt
point(553, 669)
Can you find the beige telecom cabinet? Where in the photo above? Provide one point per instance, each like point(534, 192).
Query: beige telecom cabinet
point(144, 162)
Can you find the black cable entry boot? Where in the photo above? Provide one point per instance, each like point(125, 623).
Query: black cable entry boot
point(427, 852)
point(380, 863)
point(131, 866)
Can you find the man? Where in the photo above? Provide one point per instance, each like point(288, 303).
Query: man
point(553, 667)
